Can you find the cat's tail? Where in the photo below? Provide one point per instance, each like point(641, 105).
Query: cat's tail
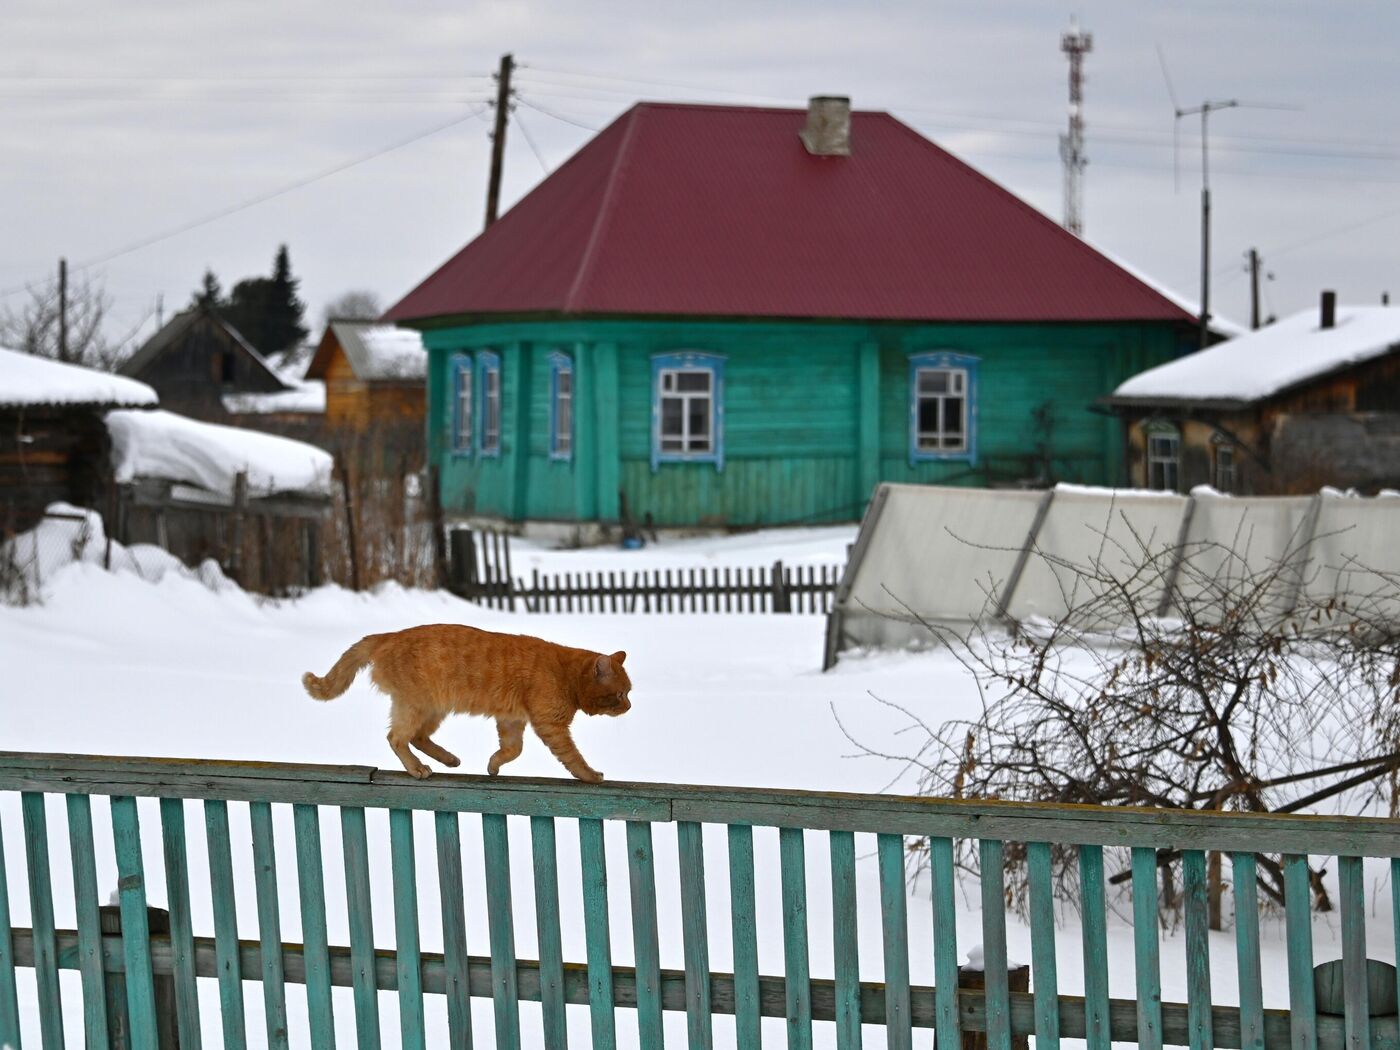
point(339, 677)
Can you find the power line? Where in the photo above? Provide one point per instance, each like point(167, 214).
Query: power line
point(530, 139)
point(557, 116)
point(222, 213)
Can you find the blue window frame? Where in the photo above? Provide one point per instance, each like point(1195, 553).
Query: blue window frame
point(488, 364)
point(942, 407)
point(687, 409)
point(462, 404)
point(561, 406)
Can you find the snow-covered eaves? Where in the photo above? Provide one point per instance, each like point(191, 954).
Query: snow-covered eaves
point(306, 396)
point(169, 447)
point(376, 352)
point(1262, 364)
point(30, 380)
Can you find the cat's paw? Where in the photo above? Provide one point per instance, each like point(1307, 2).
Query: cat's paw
point(421, 773)
point(493, 769)
point(450, 761)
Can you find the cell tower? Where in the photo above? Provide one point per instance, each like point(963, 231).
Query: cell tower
point(1076, 45)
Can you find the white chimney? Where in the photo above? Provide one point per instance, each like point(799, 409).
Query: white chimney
point(828, 130)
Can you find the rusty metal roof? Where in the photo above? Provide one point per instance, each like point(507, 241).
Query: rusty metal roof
point(720, 210)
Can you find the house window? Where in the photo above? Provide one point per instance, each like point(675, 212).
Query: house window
point(490, 364)
point(942, 406)
point(687, 409)
point(1163, 458)
point(1224, 479)
point(462, 404)
point(561, 411)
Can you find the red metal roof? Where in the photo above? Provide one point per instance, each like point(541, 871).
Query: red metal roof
point(720, 210)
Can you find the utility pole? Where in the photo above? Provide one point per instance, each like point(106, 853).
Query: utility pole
point(498, 137)
point(1205, 109)
point(160, 310)
point(1253, 256)
point(63, 309)
point(1076, 45)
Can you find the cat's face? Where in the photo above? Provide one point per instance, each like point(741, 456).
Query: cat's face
point(610, 691)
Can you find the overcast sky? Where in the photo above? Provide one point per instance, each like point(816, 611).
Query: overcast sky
point(123, 122)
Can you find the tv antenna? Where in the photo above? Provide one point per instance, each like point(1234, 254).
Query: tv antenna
point(1205, 109)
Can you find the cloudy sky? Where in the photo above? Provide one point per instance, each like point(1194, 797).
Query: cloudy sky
point(356, 131)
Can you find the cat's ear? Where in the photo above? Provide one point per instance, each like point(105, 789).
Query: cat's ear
point(618, 657)
point(603, 667)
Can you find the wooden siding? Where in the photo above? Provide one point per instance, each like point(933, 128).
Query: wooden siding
point(188, 373)
point(48, 455)
point(814, 415)
point(355, 404)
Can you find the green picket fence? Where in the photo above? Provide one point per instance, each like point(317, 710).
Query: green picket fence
point(145, 960)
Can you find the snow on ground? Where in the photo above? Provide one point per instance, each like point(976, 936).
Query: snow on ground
point(164, 445)
point(305, 395)
point(111, 663)
point(825, 545)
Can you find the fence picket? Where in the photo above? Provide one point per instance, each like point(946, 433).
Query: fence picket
point(269, 924)
point(1246, 891)
point(501, 928)
point(546, 869)
point(1351, 881)
point(36, 853)
point(311, 889)
point(1095, 939)
point(895, 921)
point(641, 872)
point(451, 894)
point(996, 988)
point(221, 888)
point(1196, 905)
point(1146, 949)
point(593, 858)
point(136, 933)
point(845, 938)
point(360, 912)
point(89, 921)
point(177, 895)
point(945, 940)
point(1043, 965)
point(407, 961)
point(1297, 903)
point(796, 966)
point(695, 936)
point(9, 991)
point(745, 934)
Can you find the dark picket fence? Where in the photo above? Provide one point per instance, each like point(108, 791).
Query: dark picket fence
point(481, 572)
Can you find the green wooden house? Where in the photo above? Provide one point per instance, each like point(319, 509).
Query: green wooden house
point(732, 316)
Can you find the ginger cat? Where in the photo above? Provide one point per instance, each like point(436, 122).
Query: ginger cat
point(437, 670)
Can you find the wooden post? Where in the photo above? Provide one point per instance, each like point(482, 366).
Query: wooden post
point(311, 552)
point(510, 578)
point(782, 600)
point(462, 563)
point(350, 526)
point(434, 483)
point(1018, 980)
point(118, 1017)
point(240, 504)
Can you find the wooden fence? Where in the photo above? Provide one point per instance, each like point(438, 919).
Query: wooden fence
point(144, 958)
point(481, 572)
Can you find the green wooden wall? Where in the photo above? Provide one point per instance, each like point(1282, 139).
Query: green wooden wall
point(815, 415)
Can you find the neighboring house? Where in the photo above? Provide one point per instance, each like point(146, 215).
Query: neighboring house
point(197, 359)
point(1311, 400)
point(729, 316)
point(374, 376)
point(53, 442)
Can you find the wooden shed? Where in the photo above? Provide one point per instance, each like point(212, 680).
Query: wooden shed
point(375, 375)
point(53, 442)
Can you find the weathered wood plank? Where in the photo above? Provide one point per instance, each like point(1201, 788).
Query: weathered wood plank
point(792, 858)
point(547, 926)
point(894, 921)
point(1196, 905)
point(136, 935)
point(1246, 891)
point(221, 890)
point(1352, 891)
point(85, 901)
point(1095, 939)
point(945, 939)
point(846, 939)
point(404, 869)
point(269, 924)
point(597, 937)
point(36, 855)
point(747, 1009)
point(9, 991)
point(695, 936)
point(995, 975)
point(177, 895)
point(1043, 961)
point(1302, 1002)
point(311, 889)
point(501, 930)
point(360, 913)
point(1147, 949)
point(641, 874)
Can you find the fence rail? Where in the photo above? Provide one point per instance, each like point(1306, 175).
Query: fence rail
point(142, 957)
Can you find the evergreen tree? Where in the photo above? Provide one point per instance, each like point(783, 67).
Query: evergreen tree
point(266, 310)
point(209, 295)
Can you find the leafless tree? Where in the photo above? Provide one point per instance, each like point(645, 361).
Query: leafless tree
point(1185, 678)
point(358, 304)
point(34, 327)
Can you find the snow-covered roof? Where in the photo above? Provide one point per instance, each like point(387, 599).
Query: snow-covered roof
point(375, 351)
point(306, 395)
point(172, 448)
point(1271, 360)
point(26, 379)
